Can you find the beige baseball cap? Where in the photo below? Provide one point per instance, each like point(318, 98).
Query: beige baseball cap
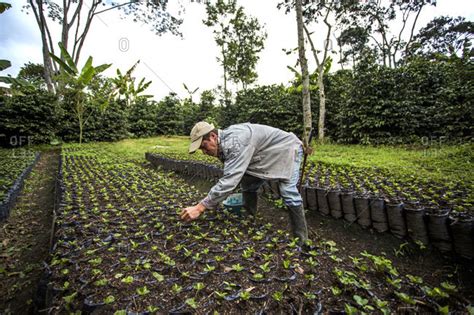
point(200, 129)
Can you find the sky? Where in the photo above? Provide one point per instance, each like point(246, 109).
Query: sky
point(169, 61)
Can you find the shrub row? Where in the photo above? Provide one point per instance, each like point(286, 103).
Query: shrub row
point(371, 104)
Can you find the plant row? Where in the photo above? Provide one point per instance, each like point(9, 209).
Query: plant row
point(121, 247)
point(15, 165)
point(331, 191)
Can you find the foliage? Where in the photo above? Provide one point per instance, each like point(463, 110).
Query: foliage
point(76, 17)
point(74, 84)
point(32, 113)
point(270, 105)
point(240, 38)
point(33, 73)
point(444, 35)
point(170, 118)
point(142, 118)
point(125, 85)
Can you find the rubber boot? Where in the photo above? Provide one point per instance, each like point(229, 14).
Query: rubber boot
point(250, 200)
point(298, 223)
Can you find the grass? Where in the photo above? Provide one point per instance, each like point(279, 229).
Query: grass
point(438, 163)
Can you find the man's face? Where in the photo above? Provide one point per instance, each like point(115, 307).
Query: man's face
point(209, 147)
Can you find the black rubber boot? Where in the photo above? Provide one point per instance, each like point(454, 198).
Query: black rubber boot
point(250, 201)
point(298, 223)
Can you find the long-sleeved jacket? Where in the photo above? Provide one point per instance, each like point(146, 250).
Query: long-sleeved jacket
point(258, 150)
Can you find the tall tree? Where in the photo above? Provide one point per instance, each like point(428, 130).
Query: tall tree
point(240, 39)
point(34, 74)
point(326, 14)
point(444, 35)
point(389, 25)
point(355, 39)
point(76, 17)
point(307, 119)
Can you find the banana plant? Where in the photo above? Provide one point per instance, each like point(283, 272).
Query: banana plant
point(125, 85)
point(75, 82)
point(313, 77)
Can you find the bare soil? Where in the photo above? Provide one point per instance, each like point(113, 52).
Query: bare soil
point(25, 239)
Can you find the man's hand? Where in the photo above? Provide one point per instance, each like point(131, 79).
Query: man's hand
point(191, 213)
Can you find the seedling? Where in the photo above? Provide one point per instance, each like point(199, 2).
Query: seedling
point(278, 296)
point(109, 299)
point(192, 303)
point(245, 295)
point(176, 288)
point(405, 298)
point(237, 267)
point(336, 291)
point(127, 280)
point(198, 286)
point(258, 276)
point(363, 303)
point(265, 267)
point(209, 268)
point(220, 295)
point(158, 276)
point(101, 282)
point(143, 290)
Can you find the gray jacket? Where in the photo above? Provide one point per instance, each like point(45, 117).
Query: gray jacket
point(258, 150)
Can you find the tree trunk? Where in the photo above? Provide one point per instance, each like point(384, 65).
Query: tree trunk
point(322, 103)
point(307, 119)
point(41, 21)
point(225, 75)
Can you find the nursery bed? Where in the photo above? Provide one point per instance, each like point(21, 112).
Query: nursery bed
point(119, 245)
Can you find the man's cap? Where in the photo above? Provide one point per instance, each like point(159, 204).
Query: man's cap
point(199, 130)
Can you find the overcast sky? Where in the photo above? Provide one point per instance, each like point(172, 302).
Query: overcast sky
point(170, 61)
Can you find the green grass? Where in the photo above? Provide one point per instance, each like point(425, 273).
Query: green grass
point(452, 163)
point(440, 163)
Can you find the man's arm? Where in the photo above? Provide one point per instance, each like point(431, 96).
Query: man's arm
point(234, 169)
point(191, 213)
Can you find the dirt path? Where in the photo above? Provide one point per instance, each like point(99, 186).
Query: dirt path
point(25, 238)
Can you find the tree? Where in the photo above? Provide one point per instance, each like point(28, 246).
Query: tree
point(34, 74)
point(249, 41)
point(240, 39)
point(356, 38)
point(75, 85)
point(379, 21)
point(444, 35)
point(76, 17)
point(207, 110)
point(328, 13)
point(4, 6)
point(307, 119)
